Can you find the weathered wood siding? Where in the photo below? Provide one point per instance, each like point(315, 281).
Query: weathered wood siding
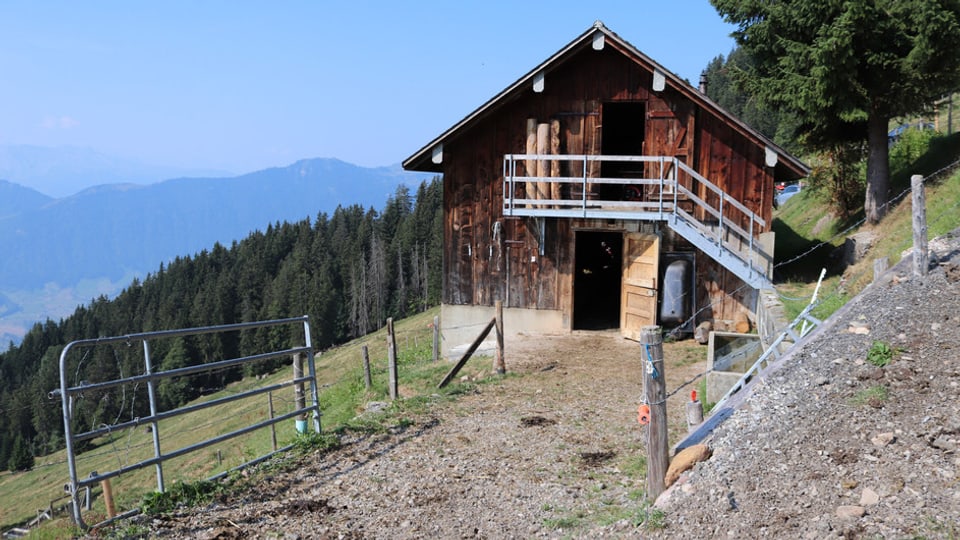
point(489, 257)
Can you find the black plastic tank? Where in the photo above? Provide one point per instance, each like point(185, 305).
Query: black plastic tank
point(677, 298)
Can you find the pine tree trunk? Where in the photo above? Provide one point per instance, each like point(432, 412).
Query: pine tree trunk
point(878, 168)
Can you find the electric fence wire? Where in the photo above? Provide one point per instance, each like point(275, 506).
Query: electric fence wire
point(837, 291)
point(935, 175)
point(839, 288)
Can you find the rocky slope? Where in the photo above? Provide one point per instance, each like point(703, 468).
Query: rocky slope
point(832, 445)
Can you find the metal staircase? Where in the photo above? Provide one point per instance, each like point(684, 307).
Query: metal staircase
point(664, 189)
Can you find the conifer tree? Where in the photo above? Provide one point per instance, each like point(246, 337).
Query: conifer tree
point(847, 68)
point(21, 459)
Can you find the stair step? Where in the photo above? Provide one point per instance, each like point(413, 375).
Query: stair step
point(735, 262)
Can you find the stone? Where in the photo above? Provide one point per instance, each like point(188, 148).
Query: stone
point(883, 439)
point(376, 406)
point(856, 246)
point(866, 373)
point(685, 460)
point(944, 443)
point(848, 512)
point(869, 497)
point(858, 328)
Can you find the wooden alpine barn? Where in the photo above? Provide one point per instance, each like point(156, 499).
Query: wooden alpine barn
point(601, 191)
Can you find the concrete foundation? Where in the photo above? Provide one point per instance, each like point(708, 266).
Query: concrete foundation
point(729, 356)
point(460, 325)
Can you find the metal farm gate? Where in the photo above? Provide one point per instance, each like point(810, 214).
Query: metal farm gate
point(151, 379)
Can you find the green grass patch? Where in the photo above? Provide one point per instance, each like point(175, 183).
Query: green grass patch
point(634, 467)
point(809, 238)
point(563, 523)
point(180, 494)
point(342, 397)
point(702, 393)
point(880, 354)
point(875, 396)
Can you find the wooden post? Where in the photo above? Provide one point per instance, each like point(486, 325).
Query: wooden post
point(879, 267)
point(655, 396)
point(366, 367)
point(273, 427)
point(392, 359)
point(300, 397)
point(466, 356)
point(543, 167)
point(531, 164)
point(498, 363)
point(436, 338)
point(108, 497)
point(702, 332)
point(921, 256)
point(555, 164)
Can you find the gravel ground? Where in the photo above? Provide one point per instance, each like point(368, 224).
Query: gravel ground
point(833, 446)
point(549, 453)
point(827, 446)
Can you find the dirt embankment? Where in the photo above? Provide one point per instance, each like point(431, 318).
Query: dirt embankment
point(833, 445)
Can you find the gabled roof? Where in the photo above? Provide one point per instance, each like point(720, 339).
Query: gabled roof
point(421, 160)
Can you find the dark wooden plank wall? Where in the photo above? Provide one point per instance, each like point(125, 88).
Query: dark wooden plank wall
point(480, 254)
point(736, 165)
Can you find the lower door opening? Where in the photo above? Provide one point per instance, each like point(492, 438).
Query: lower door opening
point(598, 260)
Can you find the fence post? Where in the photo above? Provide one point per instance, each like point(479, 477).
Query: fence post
point(366, 367)
point(880, 266)
point(436, 338)
point(273, 427)
point(301, 401)
point(392, 358)
point(655, 396)
point(921, 256)
point(108, 497)
point(694, 410)
point(498, 363)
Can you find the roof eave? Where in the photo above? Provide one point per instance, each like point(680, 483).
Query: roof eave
point(421, 160)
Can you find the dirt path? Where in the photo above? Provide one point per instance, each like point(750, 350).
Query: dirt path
point(551, 452)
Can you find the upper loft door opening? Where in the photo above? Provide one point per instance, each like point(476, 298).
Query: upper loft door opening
point(622, 134)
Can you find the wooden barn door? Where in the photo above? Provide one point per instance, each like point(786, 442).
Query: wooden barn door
point(638, 297)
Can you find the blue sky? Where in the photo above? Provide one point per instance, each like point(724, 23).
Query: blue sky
point(240, 86)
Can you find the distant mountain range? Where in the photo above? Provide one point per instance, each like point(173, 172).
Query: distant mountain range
point(63, 171)
point(55, 251)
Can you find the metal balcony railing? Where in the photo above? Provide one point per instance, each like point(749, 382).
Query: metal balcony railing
point(645, 188)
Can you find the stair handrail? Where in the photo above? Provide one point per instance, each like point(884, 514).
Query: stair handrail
point(725, 225)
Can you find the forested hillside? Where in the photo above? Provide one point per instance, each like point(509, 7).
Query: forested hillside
point(348, 271)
